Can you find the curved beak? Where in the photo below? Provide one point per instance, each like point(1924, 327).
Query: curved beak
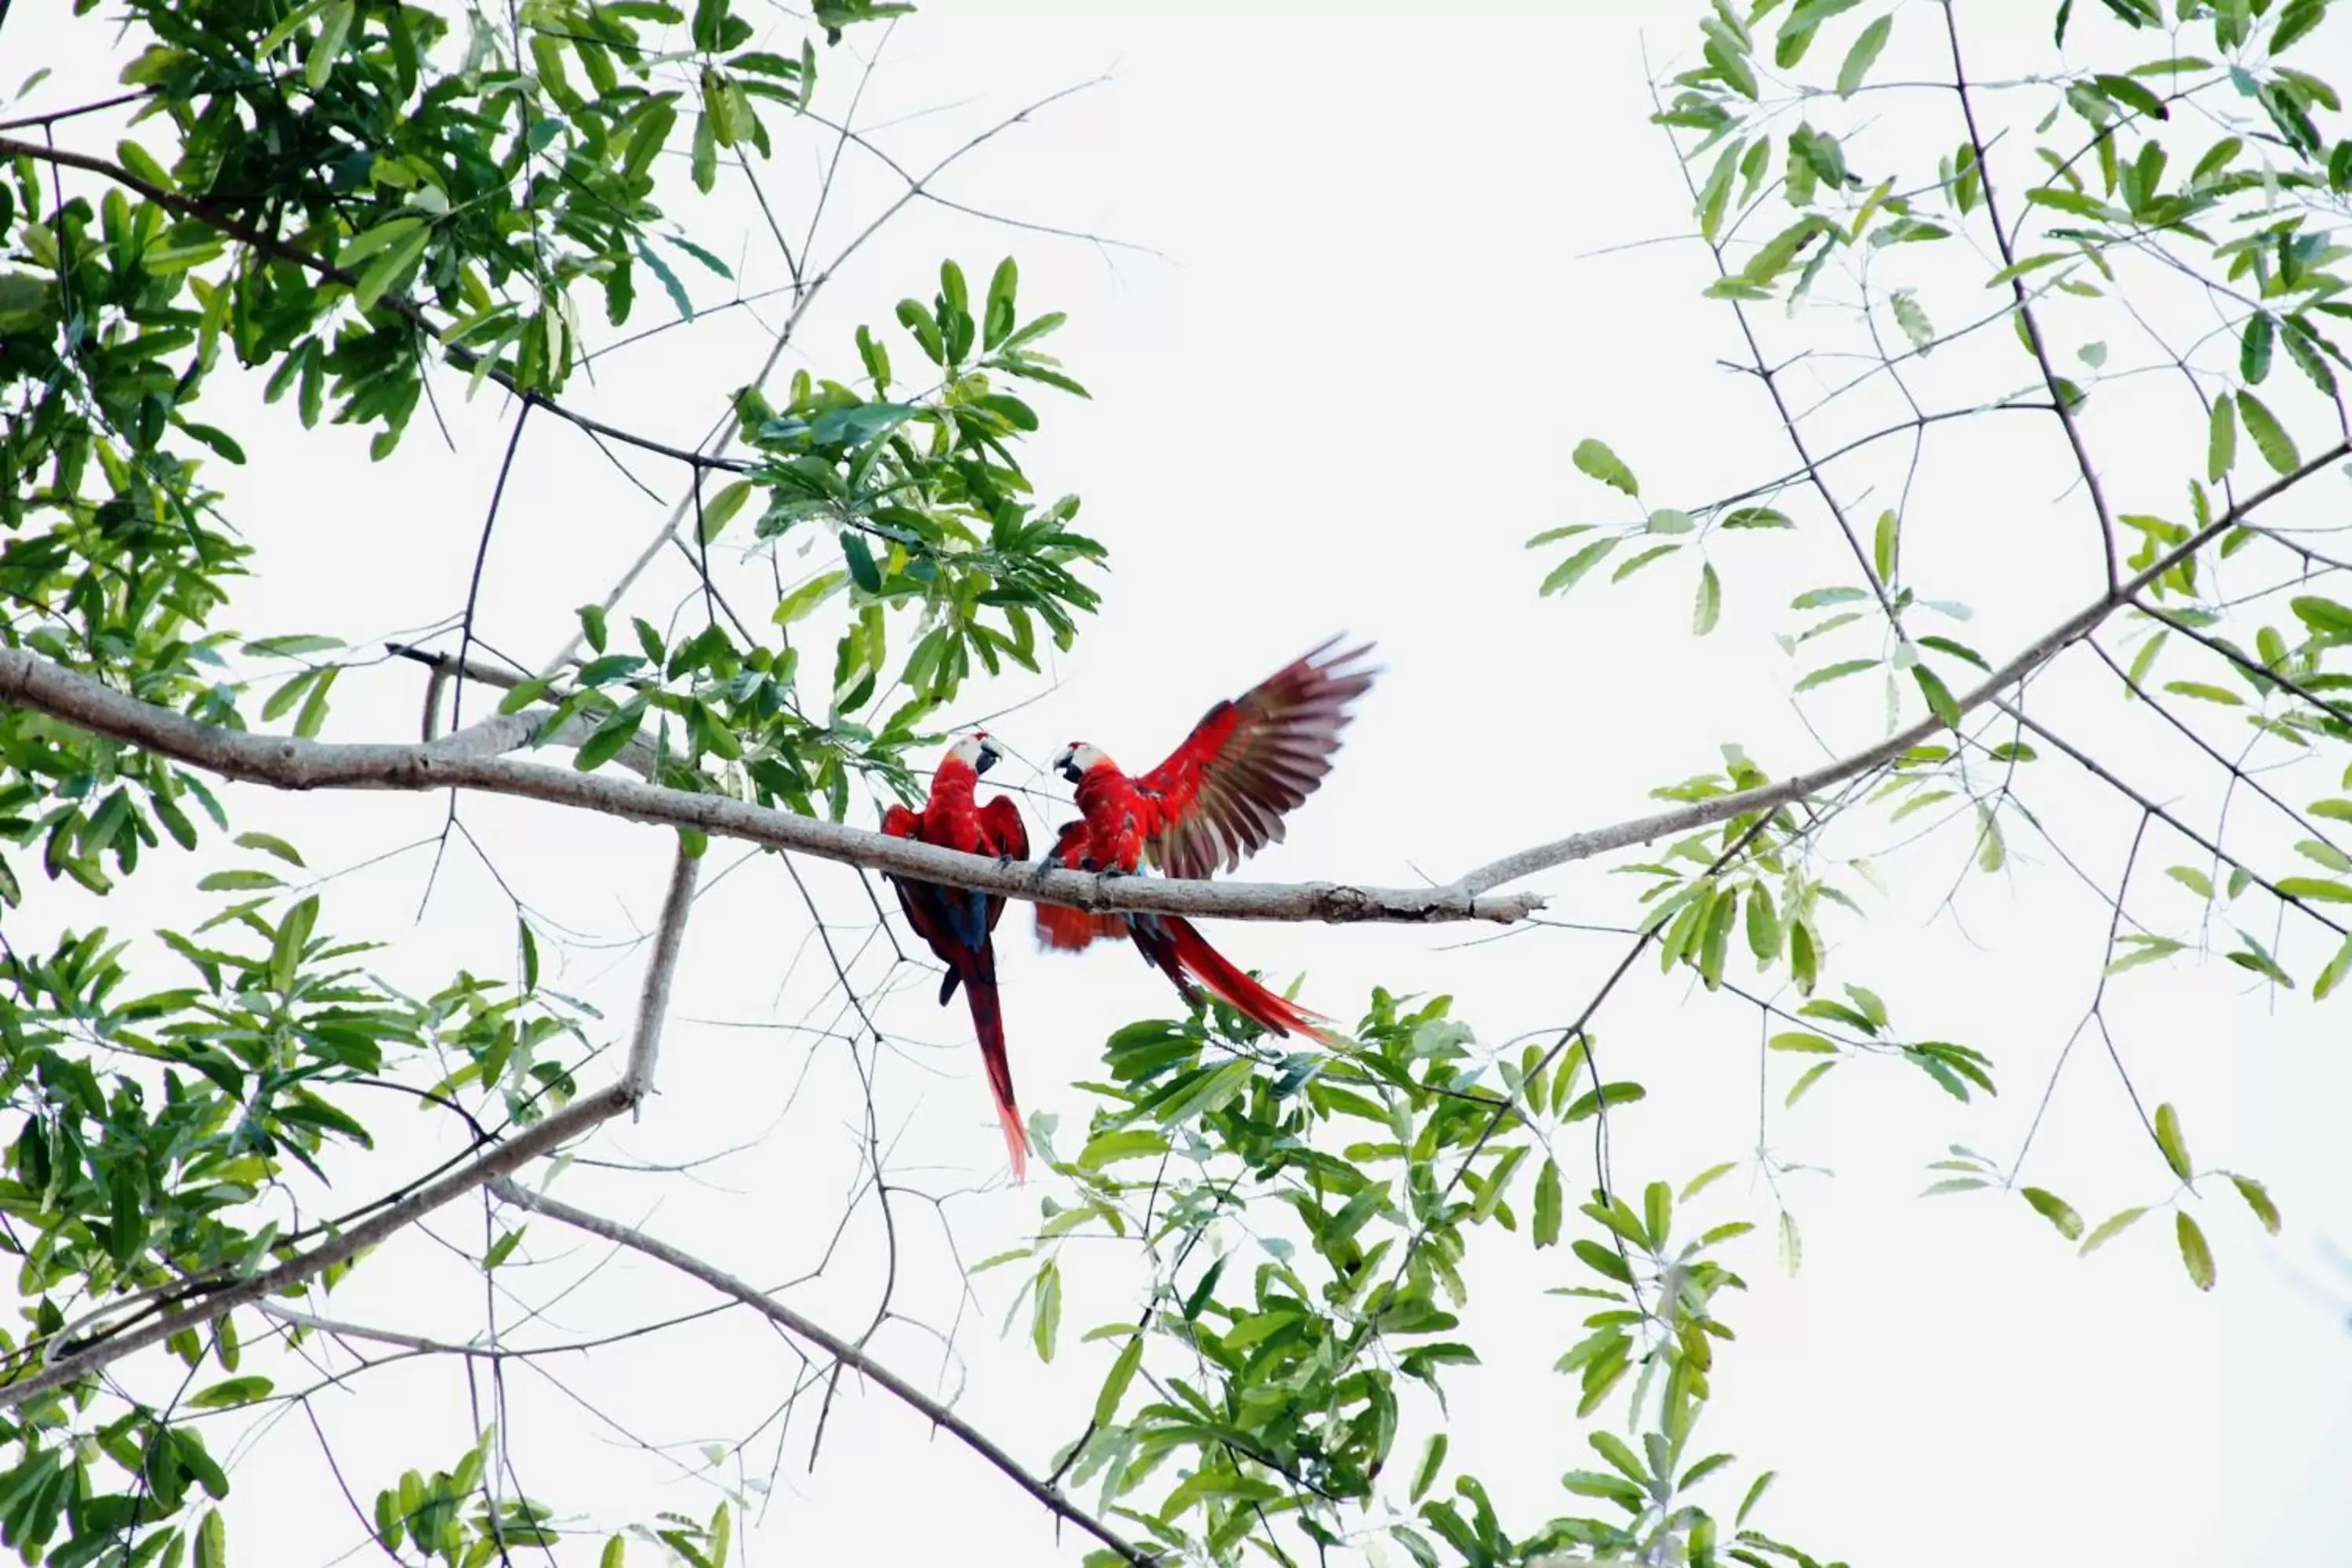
point(989, 755)
point(1065, 763)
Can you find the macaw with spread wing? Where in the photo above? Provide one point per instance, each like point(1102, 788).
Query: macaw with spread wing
point(1218, 798)
point(957, 921)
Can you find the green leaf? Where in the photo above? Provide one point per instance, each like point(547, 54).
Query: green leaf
point(1863, 56)
point(1837, 671)
point(2333, 975)
point(2327, 618)
point(1755, 1495)
point(679, 300)
point(313, 717)
point(2108, 1229)
point(1763, 925)
point(1564, 575)
point(611, 737)
point(142, 163)
point(1122, 1372)
point(1046, 1310)
point(212, 1541)
point(2270, 438)
point(2258, 1198)
point(722, 509)
point(2169, 1139)
point(1913, 322)
point(2056, 1210)
point(334, 29)
point(2194, 1256)
point(1598, 462)
point(1633, 563)
point(503, 1248)
point(236, 881)
point(399, 253)
point(1432, 1458)
point(1707, 1179)
point(1938, 695)
point(1804, 1042)
point(1602, 1261)
point(2222, 439)
point(862, 570)
point(271, 844)
point(2314, 890)
point(233, 1392)
point(2254, 347)
point(2205, 691)
point(1889, 535)
point(1957, 650)
point(997, 316)
point(704, 166)
point(1606, 1095)
point(1547, 1203)
point(1709, 607)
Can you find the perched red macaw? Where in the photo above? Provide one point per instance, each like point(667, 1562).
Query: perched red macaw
point(1220, 796)
point(957, 921)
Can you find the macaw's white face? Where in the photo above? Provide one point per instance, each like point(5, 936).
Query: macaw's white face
point(975, 750)
point(1076, 760)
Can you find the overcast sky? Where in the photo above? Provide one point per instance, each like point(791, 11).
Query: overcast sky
point(1361, 281)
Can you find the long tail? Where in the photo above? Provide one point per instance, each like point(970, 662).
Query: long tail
point(988, 1024)
point(1220, 975)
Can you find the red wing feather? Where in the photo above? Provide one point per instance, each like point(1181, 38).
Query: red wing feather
point(1061, 927)
point(1223, 794)
point(1002, 831)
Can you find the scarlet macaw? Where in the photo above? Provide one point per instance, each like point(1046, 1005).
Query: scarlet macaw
point(1219, 796)
point(957, 921)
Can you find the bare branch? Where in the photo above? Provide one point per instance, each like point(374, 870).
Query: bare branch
point(2041, 651)
point(2035, 337)
point(653, 1000)
point(836, 1347)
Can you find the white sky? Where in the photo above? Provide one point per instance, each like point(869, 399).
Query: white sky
point(1343, 399)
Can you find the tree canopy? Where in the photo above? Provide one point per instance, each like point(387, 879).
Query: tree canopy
point(266, 1151)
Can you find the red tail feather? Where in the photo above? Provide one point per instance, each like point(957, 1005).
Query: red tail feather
point(1219, 974)
point(988, 1023)
point(1063, 927)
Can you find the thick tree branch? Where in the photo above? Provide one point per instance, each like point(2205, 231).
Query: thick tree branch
point(468, 761)
point(457, 762)
point(840, 1349)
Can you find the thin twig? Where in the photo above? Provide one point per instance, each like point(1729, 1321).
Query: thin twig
point(840, 1349)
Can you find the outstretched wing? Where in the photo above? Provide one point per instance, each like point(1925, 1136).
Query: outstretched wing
point(1059, 926)
point(1223, 794)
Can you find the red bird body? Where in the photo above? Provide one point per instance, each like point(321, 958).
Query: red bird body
point(1218, 798)
point(957, 922)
